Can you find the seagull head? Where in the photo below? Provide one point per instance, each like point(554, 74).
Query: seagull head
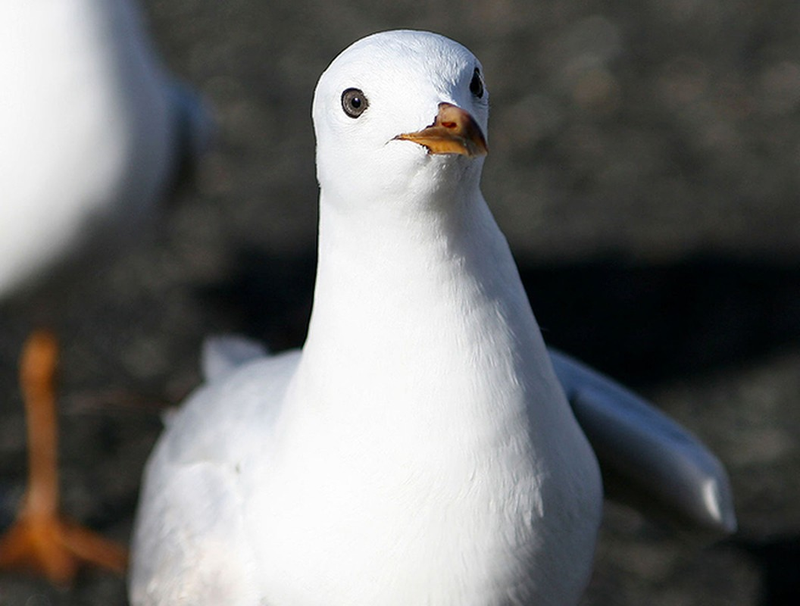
point(401, 115)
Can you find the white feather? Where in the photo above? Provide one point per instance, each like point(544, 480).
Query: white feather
point(91, 128)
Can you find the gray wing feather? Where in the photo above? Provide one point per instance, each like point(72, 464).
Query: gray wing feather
point(647, 459)
point(225, 353)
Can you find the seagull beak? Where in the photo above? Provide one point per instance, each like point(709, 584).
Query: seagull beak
point(453, 132)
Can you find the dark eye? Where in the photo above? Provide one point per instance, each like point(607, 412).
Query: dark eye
point(354, 102)
point(476, 84)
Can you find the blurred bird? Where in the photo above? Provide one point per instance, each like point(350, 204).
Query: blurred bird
point(94, 134)
point(94, 131)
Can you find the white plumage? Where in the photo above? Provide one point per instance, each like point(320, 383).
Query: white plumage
point(419, 448)
point(92, 128)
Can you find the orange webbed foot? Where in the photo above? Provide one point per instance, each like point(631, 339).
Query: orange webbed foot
point(40, 540)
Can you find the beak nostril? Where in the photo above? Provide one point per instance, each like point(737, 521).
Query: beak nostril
point(454, 131)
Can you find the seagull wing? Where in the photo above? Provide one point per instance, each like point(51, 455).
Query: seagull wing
point(647, 459)
point(224, 353)
point(191, 547)
point(191, 541)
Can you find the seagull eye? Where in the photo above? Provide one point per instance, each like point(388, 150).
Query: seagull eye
point(354, 102)
point(476, 84)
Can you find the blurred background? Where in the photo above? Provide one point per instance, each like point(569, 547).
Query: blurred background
point(645, 166)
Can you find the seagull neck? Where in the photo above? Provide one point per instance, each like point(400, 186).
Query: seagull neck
point(416, 300)
point(402, 261)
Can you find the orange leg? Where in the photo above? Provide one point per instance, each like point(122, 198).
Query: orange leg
point(40, 540)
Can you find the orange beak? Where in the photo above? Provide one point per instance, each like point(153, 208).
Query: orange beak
point(453, 132)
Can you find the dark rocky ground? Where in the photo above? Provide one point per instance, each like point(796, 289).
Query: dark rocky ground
point(645, 166)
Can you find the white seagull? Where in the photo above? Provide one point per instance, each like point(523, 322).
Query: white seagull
point(93, 129)
point(419, 449)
